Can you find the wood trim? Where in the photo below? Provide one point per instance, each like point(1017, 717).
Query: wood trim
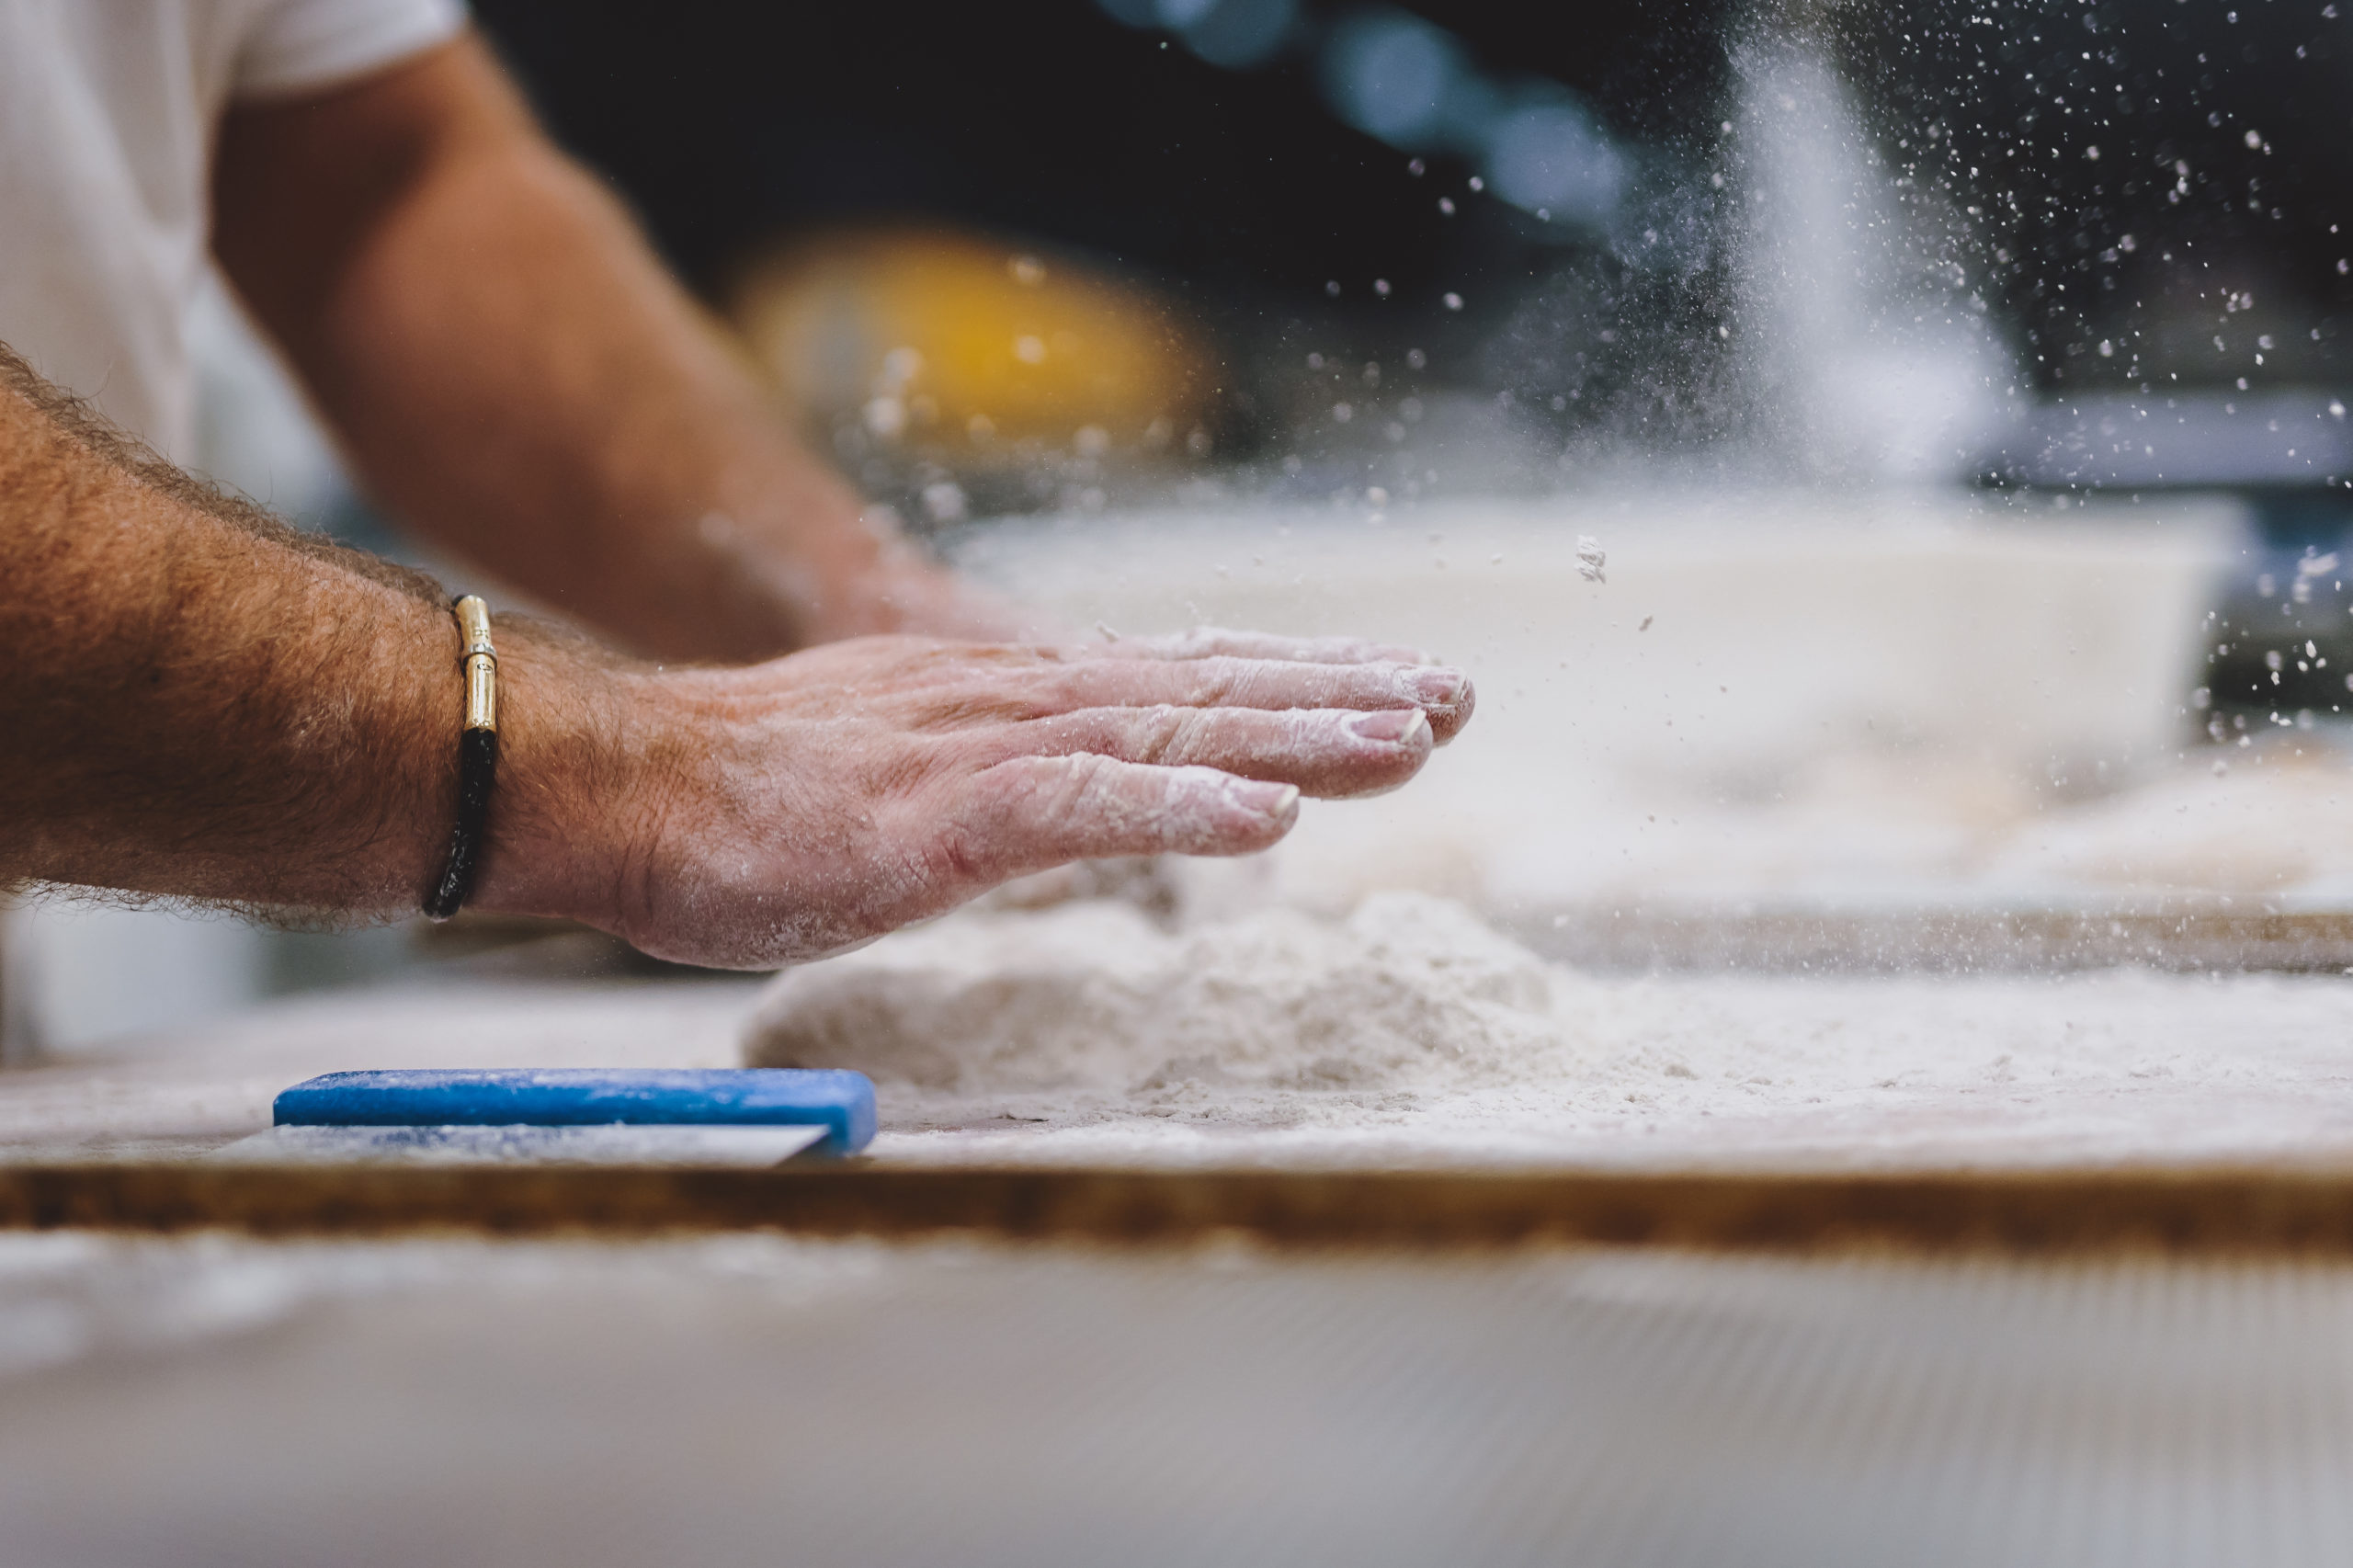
point(2208, 1210)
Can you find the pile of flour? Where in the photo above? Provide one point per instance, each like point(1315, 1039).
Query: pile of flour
point(1408, 992)
point(1409, 1031)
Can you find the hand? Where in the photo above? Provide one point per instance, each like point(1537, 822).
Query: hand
point(777, 813)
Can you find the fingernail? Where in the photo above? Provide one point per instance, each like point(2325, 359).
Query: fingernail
point(1271, 800)
point(1442, 687)
point(1398, 728)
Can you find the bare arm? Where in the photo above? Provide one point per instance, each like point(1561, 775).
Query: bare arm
point(513, 373)
point(203, 703)
point(159, 741)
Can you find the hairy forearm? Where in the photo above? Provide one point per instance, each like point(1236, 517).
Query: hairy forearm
point(205, 704)
point(513, 372)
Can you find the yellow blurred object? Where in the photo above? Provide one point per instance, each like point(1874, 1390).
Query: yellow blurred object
point(973, 349)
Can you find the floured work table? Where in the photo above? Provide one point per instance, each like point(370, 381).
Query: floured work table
point(1988, 1315)
point(2253, 1151)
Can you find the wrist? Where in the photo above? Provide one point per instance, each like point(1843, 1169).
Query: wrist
point(573, 726)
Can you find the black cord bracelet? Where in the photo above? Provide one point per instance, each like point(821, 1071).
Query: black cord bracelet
point(477, 761)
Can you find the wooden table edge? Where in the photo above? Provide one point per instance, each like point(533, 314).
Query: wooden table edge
point(2177, 1209)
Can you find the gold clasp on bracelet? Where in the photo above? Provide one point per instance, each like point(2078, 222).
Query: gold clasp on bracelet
point(482, 663)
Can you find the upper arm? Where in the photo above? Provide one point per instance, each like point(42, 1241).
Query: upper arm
point(299, 182)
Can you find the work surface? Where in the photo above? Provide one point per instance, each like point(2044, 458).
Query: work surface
point(2092, 1109)
point(1956, 1337)
point(1683, 1072)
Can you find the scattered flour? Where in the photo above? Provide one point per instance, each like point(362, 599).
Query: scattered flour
point(1406, 1034)
point(1591, 559)
point(1410, 1032)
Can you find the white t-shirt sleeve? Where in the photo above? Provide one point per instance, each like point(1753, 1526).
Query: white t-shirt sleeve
point(295, 46)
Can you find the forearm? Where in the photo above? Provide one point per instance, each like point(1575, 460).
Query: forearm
point(204, 704)
point(513, 372)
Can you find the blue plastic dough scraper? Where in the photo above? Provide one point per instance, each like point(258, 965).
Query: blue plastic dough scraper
point(743, 1116)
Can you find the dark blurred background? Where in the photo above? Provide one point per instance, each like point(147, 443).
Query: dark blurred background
point(727, 123)
point(2223, 135)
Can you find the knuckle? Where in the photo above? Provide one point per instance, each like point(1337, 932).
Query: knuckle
point(1059, 688)
point(1222, 680)
point(1080, 779)
point(960, 853)
point(1028, 791)
point(1163, 732)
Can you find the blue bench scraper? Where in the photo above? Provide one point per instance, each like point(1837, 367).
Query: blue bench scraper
point(759, 1116)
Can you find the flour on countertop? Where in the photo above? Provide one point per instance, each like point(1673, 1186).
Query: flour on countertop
point(1410, 1032)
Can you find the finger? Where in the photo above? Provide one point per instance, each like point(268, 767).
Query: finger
point(1327, 752)
point(1443, 695)
point(1035, 812)
point(1213, 642)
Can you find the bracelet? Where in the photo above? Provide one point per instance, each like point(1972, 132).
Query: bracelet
point(477, 760)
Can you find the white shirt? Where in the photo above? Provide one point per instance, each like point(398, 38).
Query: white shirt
point(108, 114)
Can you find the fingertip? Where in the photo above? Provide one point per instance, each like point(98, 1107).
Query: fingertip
point(1448, 723)
point(1268, 811)
point(1438, 686)
point(1276, 803)
point(1213, 813)
point(1444, 693)
point(1406, 728)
